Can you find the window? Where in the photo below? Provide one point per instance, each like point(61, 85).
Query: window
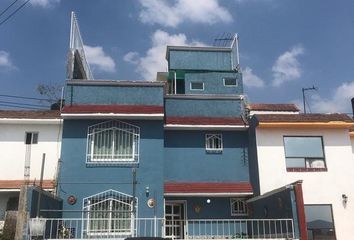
point(113, 142)
point(230, 82)
point(108, 213)
point(304, 153)
point(319, 222)
point(238, 206)
point(197, 86)
point(213, 143)
point(31, 138)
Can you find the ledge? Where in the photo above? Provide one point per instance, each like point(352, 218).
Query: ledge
point(306, 169)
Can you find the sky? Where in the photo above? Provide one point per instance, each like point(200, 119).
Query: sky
point(285, 45)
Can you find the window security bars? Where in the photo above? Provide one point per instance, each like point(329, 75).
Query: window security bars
point(113, 142)
point(238, 206)
point(108, 213)
point(213, 143)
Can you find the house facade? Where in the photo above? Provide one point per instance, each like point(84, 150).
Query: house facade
point(315, 150)
point(25, 137)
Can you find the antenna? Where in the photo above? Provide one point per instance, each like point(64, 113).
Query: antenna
point(304, 96)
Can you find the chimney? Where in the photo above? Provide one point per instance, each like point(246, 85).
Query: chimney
point(353, 106)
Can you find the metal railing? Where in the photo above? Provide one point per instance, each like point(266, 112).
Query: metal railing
point(115, 228)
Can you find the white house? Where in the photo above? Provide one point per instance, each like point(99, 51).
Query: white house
point(24, 137)
point(314, 148)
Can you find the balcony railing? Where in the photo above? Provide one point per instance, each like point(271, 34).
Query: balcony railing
point(115, 228)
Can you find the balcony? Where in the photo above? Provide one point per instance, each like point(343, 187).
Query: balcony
point(121, 228)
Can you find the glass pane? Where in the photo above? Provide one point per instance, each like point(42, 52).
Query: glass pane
point(197, 85)
point(28, 138)
point(295, 162)
point(303, 147)
point(315, 163)
point(230, 81)
point(34, 138)
point(319, 216)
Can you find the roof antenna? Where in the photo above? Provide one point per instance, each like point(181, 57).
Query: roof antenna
point(304, 96)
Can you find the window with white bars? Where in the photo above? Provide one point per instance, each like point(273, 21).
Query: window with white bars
point(238, 206)
point(213, 143)
point(108, 213)
point(113, 142)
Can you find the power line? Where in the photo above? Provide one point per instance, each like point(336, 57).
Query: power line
point(25, 104)
point(8, 7)
point(31, 98)
point(14, 12)
point(23, 107)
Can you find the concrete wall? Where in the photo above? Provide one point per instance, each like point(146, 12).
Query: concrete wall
point(4, 197)
point(82, 181)
point(13, 149)
point(213, 83)
point(318, 187)
point(202, 107)
point(123, 95)
point(200, 60)
point(187, 160)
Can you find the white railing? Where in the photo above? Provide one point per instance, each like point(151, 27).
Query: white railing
point(108, 228)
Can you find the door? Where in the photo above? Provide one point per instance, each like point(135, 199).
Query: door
point(175, 220)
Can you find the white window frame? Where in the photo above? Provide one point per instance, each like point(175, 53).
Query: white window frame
point(210, 142)
point(32, 137)
point(132, 132)
point(241, 204)
point(227, 85)
point(196, 89)
point(109, 196)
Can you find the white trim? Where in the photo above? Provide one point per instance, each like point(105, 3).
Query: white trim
point(196, 89)
point(10, 189)
point(153, 116)
point(243, 200)
point(30, 121)
point(225, 194)
point(208, 127)
point(230, 85)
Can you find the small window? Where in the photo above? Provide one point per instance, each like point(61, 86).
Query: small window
point(304, 152)
point(230, 82)
point(31, 138)
point(320, 223)
point(213, 143)
point(197, 86)
point(238, 206)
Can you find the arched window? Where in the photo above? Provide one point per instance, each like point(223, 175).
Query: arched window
point(108, 213)
point(238, 206)
point(113, 142)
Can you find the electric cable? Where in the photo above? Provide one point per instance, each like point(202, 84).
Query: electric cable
point(14, 12)
point(8, 7)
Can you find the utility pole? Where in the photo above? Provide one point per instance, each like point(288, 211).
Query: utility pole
point(304, 97)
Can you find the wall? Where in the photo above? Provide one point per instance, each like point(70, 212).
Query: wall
point(186, 158)
point(196, 60)
point(318, 187)
point(48, 202)
point(83, 181)
point(180, 107)
point(213, 83)
point(13, 149)
point(123, 95)
point(4, 197)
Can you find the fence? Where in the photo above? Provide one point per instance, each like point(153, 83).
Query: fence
point(116, 228)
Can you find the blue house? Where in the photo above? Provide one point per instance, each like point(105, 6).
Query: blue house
point(165, 158)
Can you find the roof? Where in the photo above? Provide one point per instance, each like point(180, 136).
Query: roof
point(279, 107)
point(16, 184)
point(126, 109)
point(334, 117)
point(204, 121)
point(200, 188)
point(34, 114)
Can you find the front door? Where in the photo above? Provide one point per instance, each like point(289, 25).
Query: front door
point(175, 220)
